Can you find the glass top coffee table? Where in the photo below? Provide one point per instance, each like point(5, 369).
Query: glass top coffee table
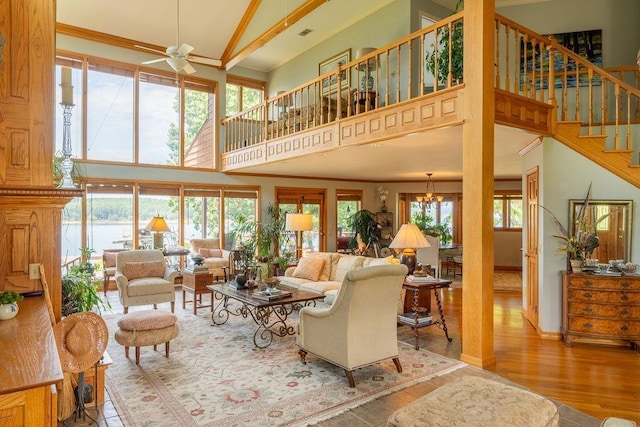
point(269, 312)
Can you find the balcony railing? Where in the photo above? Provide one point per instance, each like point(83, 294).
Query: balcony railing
point(428, 61)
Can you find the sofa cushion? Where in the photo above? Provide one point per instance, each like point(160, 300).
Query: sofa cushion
point(196, 244)
point(137, 270)
point(309, 268)
point(210, 253)
point(370, 262)
point(320, 287)
point(328, 268)
point(347, 263)
point(292, 282)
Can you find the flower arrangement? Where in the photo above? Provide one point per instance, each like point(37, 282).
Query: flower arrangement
point(382, 194)
point(581, 239)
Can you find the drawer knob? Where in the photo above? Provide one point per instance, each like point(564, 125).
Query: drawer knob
point(624, 284)
point(624, 297)
point(587, 295)
point(624, 311)
point(588, 283)
point(587, 325)
point(624, 328)
point(587, 309)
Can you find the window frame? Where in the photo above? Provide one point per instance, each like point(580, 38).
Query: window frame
point(505, 197)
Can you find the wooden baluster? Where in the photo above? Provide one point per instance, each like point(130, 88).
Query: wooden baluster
point(590, 100)
point(629, 142)
point(552, 76)
point(617, 117)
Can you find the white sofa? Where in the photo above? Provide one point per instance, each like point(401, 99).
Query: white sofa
point(323, 272)
point(214, 256)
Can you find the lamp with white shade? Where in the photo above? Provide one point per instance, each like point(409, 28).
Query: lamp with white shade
point(159, 226)
point(298, 222)
point(409, 238)
point(367, 67)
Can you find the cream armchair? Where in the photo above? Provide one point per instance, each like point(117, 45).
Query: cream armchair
point(360, 327)
point(143, 277)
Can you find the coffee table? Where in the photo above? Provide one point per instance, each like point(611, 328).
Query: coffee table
point(270, 316)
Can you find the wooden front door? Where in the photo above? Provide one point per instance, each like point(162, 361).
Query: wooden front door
point(531, 252)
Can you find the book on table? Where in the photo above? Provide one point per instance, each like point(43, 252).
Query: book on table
point(421, 279)
point(410, 318)
point(262, 295)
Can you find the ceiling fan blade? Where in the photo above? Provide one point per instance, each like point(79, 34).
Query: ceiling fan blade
point(153, 61)
point(188, 68)
point(205, 61)
point(150, 49)
point(184, 50)
point(177, 63)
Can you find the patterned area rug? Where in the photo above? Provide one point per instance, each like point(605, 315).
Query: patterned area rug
point(215, 377)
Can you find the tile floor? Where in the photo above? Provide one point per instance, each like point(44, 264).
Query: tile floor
point(374, 413)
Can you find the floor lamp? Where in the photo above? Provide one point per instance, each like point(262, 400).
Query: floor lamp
point(159, 226)
point(298, 222)
point(409, 238)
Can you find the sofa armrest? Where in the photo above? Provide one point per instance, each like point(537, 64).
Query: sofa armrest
point(121, 281)
point(170, 274)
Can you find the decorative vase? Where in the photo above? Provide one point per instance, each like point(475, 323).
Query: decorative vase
point(576, 265)
point(384, 206)
point(8, 311)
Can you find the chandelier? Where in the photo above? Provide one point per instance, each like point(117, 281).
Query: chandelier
point(430, 195)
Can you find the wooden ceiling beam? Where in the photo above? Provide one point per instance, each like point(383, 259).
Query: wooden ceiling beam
point(272, 32)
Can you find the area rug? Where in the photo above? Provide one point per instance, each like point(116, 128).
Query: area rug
point(215, 377)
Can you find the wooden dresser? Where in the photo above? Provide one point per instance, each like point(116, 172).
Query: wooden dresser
point(601, 309)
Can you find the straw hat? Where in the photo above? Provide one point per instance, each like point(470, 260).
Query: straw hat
point(81, 339)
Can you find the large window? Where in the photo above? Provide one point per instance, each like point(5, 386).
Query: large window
point(239, 206)
point(437, 218)
point(138, 116)
point(348, 202)
point(243, 93)
point(304, 200)
point(507, 211)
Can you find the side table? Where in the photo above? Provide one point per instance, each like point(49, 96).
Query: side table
point(420, 311)
point(364, 97)
point(196, 284)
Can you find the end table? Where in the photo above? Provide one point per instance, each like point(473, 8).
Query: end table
point(196, 284)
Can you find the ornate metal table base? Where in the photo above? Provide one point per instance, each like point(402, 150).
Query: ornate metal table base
point(271, 319)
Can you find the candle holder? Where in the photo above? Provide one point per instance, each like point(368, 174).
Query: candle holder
point(67, 164)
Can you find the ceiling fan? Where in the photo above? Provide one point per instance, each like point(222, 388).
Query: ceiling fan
point(178, 56)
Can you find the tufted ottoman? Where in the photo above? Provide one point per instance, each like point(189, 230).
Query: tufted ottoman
point(472, 401)
point(146, 327)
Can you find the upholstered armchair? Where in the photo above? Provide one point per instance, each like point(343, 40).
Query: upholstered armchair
point(360, 327)
point(215, 258)
point(109, 266)
point(143, 277)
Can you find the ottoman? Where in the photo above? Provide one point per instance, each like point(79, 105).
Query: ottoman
point(146, 327)
point(475, 401)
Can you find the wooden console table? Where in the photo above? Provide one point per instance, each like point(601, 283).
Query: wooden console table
point(423, 310)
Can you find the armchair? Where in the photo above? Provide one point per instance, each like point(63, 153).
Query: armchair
point(360, 327)
point(143, 277)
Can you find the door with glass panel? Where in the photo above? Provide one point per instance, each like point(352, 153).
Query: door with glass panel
point(301, 200)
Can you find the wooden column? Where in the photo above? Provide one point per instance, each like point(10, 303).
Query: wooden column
point(477, 186)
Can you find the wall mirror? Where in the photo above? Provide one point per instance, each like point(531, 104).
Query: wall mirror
point(614, 232)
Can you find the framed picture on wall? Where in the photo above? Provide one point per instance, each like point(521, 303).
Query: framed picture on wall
point(330, 85)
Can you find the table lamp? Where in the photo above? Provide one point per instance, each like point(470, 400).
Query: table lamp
point(159, 226)
point(298, 222)
point(409, 238)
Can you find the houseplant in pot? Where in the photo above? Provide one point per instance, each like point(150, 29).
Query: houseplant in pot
point(9, 304)
point(79, 292)
point(437, 59)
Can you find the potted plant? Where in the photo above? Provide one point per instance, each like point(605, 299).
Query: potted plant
point(85, 256)
point(439, 55)
point(9, 304)
point(425, 223)
point(282, 261)
point(79, 292)
point(360, 223)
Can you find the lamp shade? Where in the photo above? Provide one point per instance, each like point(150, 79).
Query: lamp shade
point(372, 63)
point(157, 224)
point(409, 236)
point(298, 222)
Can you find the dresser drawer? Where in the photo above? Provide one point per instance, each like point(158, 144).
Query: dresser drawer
point(612, 311)
point(618, 328)
point(600, 282)
point(631, 298)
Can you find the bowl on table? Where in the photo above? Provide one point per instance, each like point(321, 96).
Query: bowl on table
point(628, 268)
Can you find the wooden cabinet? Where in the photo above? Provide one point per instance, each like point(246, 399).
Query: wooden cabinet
point(601, 309)
point(196, 284)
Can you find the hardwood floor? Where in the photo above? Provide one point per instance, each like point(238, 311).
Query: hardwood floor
point(600, 381)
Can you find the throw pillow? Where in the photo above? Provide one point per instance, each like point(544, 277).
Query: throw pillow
point(309, 268)
point(215, 253)
point(205, 252)
point(137, 270)
point(381, 261)
point(346, 264)
point(328, 257)
point(110, 259)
